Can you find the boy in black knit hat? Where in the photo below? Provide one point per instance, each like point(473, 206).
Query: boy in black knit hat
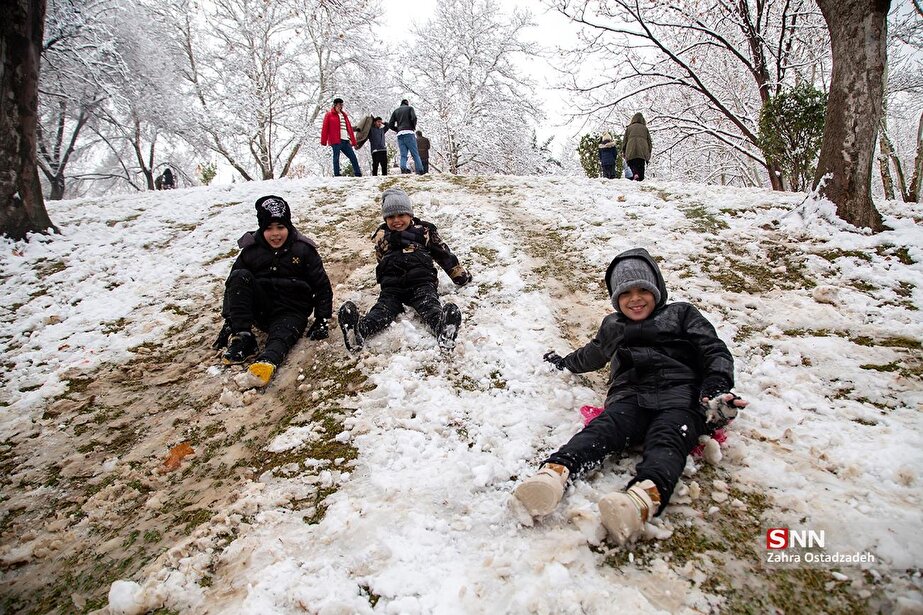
point(276, 282)
point(671, 379)
point(406, 249)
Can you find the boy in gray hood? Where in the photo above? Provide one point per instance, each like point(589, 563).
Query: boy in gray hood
point(670, 382)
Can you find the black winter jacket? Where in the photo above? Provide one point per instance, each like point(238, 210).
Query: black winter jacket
point(293, 275)
point(671, 359)
point(403, 118)
point(406, 258)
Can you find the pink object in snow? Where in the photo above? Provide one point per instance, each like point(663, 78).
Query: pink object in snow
point(720, 436)
point(589, 413)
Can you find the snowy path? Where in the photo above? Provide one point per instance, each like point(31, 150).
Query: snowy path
point(391, 497)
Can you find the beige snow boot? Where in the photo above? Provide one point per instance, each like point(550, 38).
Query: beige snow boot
point(540, 494)
point(624, 513)
point(262, 371)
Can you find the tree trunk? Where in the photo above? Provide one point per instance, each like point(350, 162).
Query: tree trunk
point(22, 209)
point(913, 190)
point(858, 36)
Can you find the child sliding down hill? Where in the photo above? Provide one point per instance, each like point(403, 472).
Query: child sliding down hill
point(276, 282)
point(406, 249)
point(670, 382)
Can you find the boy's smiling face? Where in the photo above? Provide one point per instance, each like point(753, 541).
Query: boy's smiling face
point(398, 222)
point(637, 303)
point(275, 235)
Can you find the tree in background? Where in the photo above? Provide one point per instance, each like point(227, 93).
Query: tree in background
point(703, 74)
point(790, 132)
point(22, 207)
point(859, 45)
point(259, 73)
point(901, 127)
point(465, 87)
point(588, 150)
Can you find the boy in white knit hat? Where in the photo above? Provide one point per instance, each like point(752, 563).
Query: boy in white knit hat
point(670, 382)
point(407, 250)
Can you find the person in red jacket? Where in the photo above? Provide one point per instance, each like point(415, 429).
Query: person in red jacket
point(337, 132)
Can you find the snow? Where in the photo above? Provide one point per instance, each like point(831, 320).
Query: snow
point(421, 519)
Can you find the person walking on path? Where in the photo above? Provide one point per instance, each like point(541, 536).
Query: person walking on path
point(403, 121)
point(607, 155)
point(378, 146)
point(637, 146)
point(423, 148)
point(337, 132)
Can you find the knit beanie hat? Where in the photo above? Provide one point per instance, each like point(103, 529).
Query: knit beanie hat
point(631, 273)
point(395, 201)
point(271, 209)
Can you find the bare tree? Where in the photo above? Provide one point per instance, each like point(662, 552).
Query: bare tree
point(858, 36)
point(901, 127)
point(79, 65)
point(260, 73)
point(704, 72)
point(22, 208)
point(463, 75)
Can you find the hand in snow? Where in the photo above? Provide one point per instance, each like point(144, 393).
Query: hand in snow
point(318, 330)
point(462, 278)
point(721, 410)
point(555, 359)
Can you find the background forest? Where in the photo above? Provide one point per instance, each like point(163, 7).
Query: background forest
point(237, 88)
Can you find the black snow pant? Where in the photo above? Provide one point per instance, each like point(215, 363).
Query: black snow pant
point(637, 167)
point(608, 171)
point(668, 436)
point(246, 303)
point(380, 158)
point(424, 299)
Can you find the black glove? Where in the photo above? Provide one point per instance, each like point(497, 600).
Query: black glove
point(462, 279)
point(555, 359)
point(719, 411)
point(318, 330)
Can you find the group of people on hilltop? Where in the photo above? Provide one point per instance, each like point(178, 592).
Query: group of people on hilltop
point(670, 374)
point(636, 150)
point(337, 131)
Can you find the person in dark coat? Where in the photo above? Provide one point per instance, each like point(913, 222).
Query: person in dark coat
point(378, 146)
point(403, 121)
point(337, 132)
point(275, 284)
point(637, 146)
point(607, 155)
point(670, 382)
point(407, 250)
point(168, 179)
point(423, 148)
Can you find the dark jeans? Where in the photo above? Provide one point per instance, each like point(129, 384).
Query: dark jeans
point(668, 436)
point(380, 158)
point(346, 148)
point(247, 304)
point(424, 158)
point(608, 171)
point(424, 299)
point(637, 167)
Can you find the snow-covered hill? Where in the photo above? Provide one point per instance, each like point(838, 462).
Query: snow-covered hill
point(378, 482)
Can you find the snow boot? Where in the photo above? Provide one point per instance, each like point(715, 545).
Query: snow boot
point(262, 370)
point(624, 513)
point(348, 317)
point(540, 494)
point(241, 347)
point(448, 326)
